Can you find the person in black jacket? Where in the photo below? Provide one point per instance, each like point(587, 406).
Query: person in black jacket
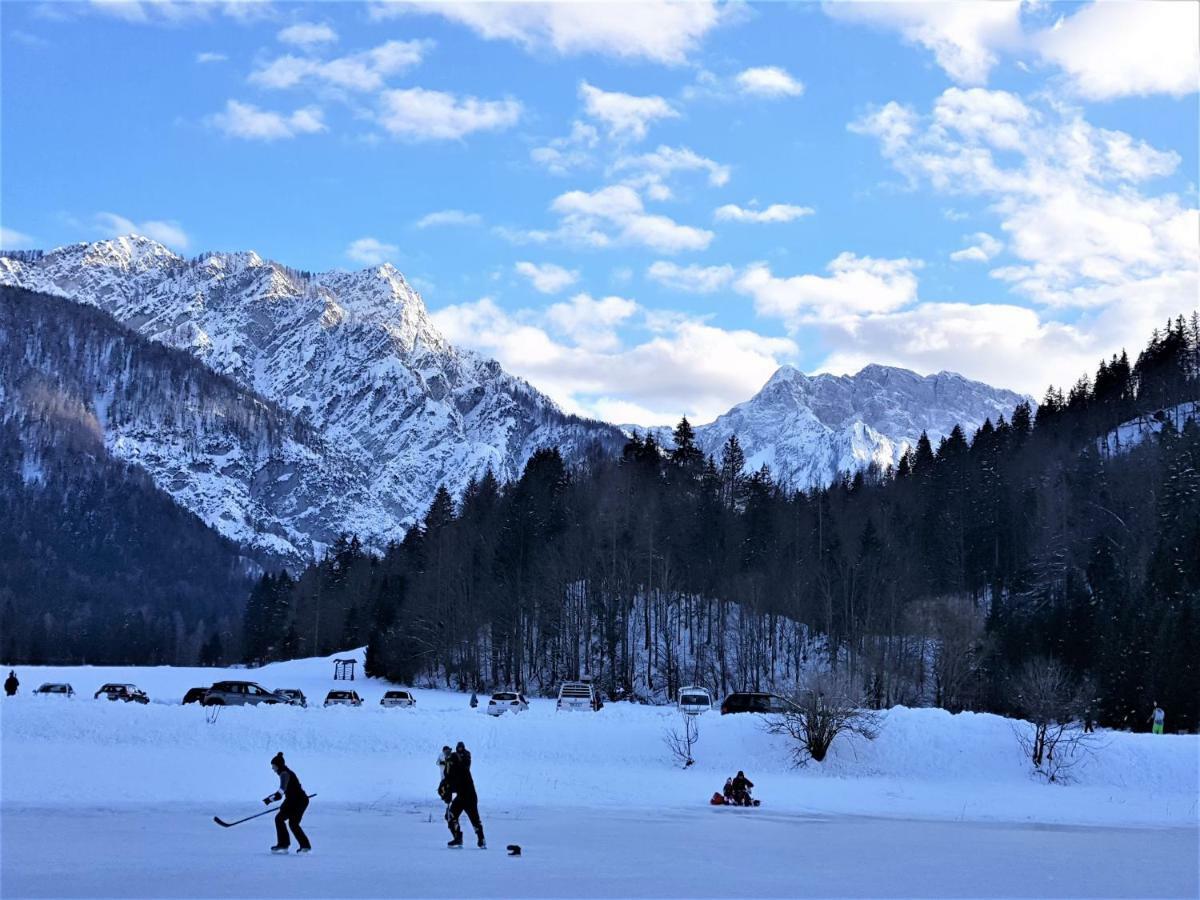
point(11, 683)
point(461, 787)
point(295, 802)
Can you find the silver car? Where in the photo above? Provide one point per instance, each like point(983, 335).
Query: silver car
point(398, 698)
point(506, 701)
point(240, 693)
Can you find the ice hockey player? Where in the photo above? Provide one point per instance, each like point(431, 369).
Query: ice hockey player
point(11, 683)
point(460, 788)
point(295, 802)
point(741, 789)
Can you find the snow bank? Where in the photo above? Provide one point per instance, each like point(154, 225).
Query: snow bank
point(926, 763)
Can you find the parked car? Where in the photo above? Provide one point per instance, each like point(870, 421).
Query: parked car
point(130, 693)
point(398, 698)
point(62, 690)
point(294, 696)
point(343, 698)
point(506, 701)
point(578, 695)
point(754, 702)
point(240, 693)
point(194, 695)
point(694, 700)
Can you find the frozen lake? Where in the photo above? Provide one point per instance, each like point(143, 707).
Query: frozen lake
point(175, 850)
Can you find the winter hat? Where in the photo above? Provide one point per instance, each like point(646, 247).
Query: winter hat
point(459, 746)
point(277, 761)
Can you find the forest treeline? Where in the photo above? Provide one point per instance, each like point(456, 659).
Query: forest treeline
point(930, 584)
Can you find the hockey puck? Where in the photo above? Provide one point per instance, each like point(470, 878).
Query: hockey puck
point(514, 849)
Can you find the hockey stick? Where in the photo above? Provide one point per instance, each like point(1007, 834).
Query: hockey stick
point(225, 824)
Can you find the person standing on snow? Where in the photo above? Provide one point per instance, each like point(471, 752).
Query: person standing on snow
point(1158, 718)
point(461, 787)
point(11, 683)
point(295, 802)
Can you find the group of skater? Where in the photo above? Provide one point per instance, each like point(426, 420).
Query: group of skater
point(456, 789)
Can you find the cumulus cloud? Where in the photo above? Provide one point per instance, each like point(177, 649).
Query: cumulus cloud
point(11, 239)
point(855, 286)
point(675, 365)
point(776, 212)
point(307, 34)
point(963, 35)
point(371, 251)
point(1112, 50)
point(660, 31)
point(982, 249)
point(247, 121)
point(616, 215)
point(653, 170)
point(692, 279)
point(768, 81)
point(365, 71)
point(624, 115)
point(445, 217)
point(1070, 196)
point(418, 114)
point(547, 278)
point(166, 232)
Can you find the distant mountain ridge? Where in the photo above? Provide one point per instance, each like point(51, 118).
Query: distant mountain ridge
point(353, 356)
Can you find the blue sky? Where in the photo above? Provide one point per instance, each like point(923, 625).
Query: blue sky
point(646, 208)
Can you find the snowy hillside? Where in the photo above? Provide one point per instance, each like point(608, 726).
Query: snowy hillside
point(809, 429)
point(581, 791)
point(352, 355)
point(1132, 433)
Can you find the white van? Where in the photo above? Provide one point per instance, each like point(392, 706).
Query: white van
point(578, 695)
point(694, 700)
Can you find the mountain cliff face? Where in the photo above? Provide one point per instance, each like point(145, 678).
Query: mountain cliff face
point(391, 408)
point(809, 429)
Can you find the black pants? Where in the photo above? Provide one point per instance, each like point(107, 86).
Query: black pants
point(291, 813)
point(464, 803)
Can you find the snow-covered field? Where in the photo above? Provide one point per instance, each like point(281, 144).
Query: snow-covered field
point(104, 799)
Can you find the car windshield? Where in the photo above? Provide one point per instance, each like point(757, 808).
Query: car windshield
point(504, 696)
point(338, 695)
point(694, 700)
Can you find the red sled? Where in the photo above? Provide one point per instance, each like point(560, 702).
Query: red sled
point(717, 800)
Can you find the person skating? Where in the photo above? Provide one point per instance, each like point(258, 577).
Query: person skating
point(11, 683)
point(461, 788)
point(295, 802)
point(741, 789)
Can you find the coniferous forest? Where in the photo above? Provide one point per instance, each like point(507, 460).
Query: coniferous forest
point(1052, 535)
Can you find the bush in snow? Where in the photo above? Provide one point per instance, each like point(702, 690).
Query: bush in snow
point(824, 707)
point(681, 745)
point(1052, 701)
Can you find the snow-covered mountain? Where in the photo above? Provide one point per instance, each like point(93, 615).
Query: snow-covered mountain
point(395, 410)
point(809, 429)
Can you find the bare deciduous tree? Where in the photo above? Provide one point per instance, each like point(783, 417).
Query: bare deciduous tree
point(824, 707)
point(681, 745)
point(1051, 700)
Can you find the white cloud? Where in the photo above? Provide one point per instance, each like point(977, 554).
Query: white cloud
point(365, 71)
point(11, 239)
point(165, 232)
point(615, 214)
point(371, 251)
point(655, 168)
point(658, 30)
point(307, 34)
point(964, 35)
point(769, 81)
point(566, 154)
point(210, 57)
point(693, 279)
point(420, 115)
point(449, 217)
point(171, 12)
point(983, 248)
point(855, 286)
point(247, 121)
point(1117, 49)
point(624, 115)
point(547, 278)
point(678, 365)
point(589, 323)
point(1068, 195)
point(776, 212)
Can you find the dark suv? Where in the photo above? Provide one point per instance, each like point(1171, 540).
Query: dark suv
point(240, 693)
point(129, 693)
point(753, 702)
